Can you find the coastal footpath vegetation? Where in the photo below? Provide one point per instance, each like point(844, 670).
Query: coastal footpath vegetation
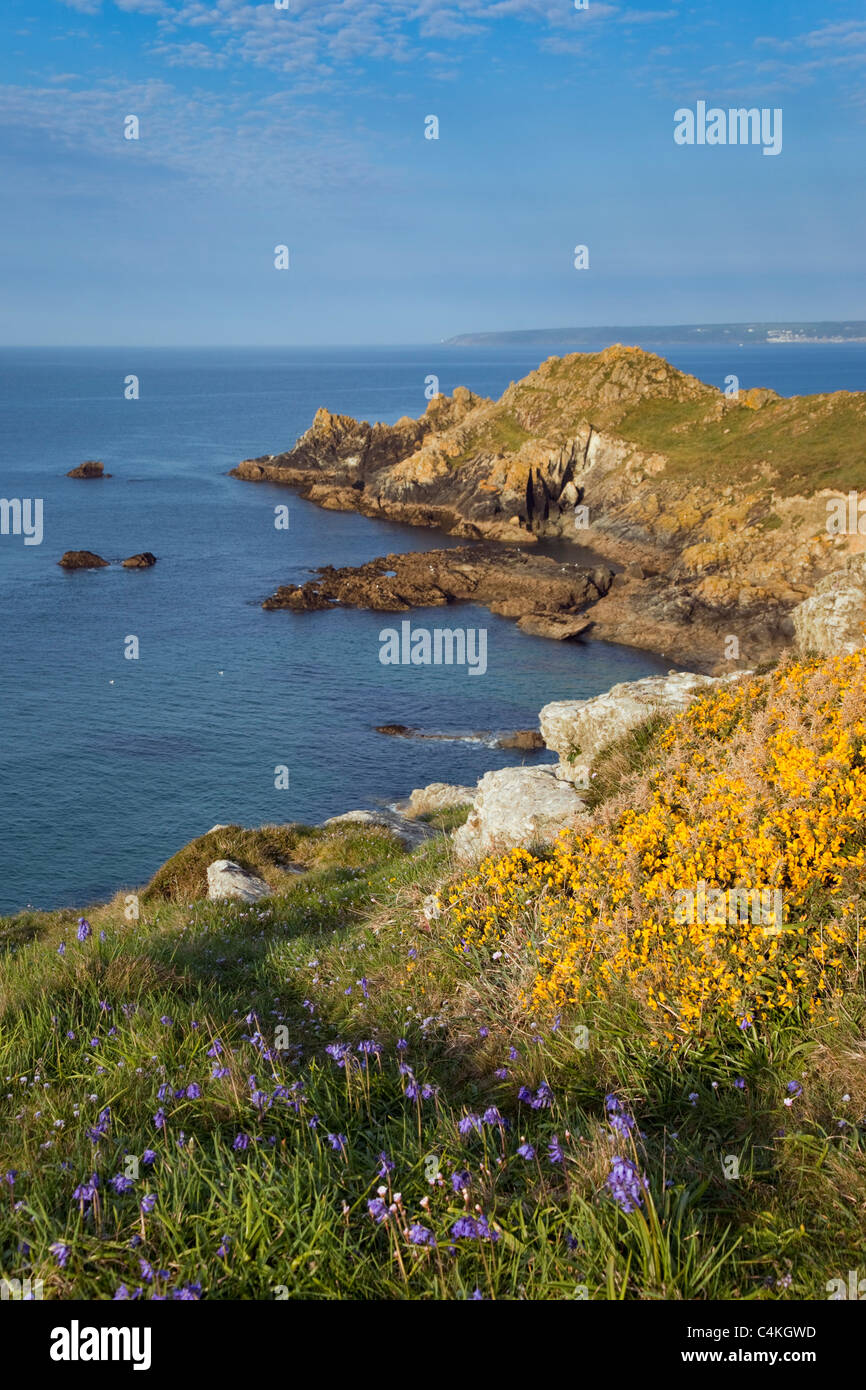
point(400, 1078)
point(714, 503)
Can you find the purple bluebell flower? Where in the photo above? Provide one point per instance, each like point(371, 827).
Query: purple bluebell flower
point(241, 1142)
point(460, 1180)
point(147, 1203)
point(148, 1157)
point(386, 1165)
point(377, 1209)
point(526, 1151)
point(121, 1183)
point(61, 949)
point(542, 1098)
point(84, 929)
point(193, 1091)
point(223, 1248)
point(419, 1235)
point(468, 1123)
point(626, 1184)
point(554, 1150)
point(60, 1252)
point(338, 1142)
point(159, 1119)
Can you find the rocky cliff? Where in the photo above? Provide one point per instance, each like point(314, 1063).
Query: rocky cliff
point(715, 505)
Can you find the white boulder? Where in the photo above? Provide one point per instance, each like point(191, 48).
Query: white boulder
point(517, 807)
point(226, 879)
point(437, 797)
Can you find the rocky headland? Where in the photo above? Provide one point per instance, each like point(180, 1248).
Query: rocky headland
point(715, 507)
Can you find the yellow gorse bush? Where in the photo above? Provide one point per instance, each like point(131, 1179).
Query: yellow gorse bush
point(760, 785)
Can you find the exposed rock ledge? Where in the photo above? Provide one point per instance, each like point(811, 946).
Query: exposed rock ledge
point(539, 592)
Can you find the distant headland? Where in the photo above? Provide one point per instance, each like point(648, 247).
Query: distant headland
point(646, 335)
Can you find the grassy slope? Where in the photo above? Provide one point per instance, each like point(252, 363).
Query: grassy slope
point(805, 442)
point(346, 953)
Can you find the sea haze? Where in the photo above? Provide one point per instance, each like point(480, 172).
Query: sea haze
point(108, 766)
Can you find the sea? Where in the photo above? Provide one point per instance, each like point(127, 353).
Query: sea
point(109, 763)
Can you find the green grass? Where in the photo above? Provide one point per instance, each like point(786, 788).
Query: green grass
point(344, 952)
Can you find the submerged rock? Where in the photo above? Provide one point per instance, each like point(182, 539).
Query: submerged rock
point(82, 560)
point(517, 807)
point(226, 879)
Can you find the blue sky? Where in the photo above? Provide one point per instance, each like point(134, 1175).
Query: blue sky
point(306, 127)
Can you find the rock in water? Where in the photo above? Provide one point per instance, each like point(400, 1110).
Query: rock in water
point(142, 561)
point(226, 879)
point(82, 560)
point(578, 729)
point(525, 740)
point(91, 468)
point(517, 807)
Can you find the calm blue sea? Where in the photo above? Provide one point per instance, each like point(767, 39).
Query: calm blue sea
point(107, 765)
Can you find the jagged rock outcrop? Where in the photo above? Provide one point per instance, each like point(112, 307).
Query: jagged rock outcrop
point(832, 620)
point(82, 560)
point(517, 807)
point(226, 879)
point(578, 729)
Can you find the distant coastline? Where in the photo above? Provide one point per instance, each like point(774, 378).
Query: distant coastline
point(655, 335)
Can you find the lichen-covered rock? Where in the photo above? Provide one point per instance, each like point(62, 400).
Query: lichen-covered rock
point(226, 879)
point(578, 729)
point(437, 797)
point(517, 806)
point(831, 621)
